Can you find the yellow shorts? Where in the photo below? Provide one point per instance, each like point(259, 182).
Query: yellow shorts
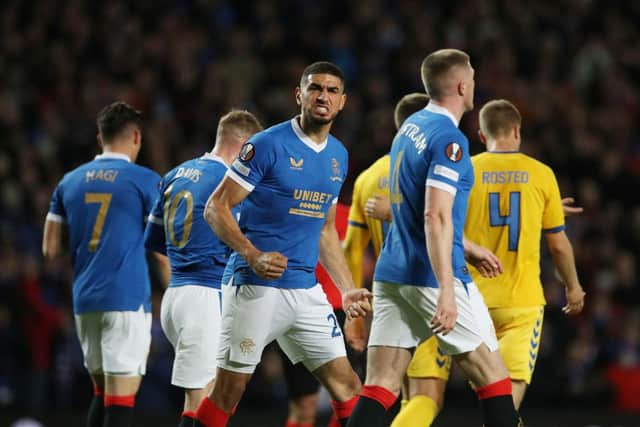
point(518, 331)
point(429, 362)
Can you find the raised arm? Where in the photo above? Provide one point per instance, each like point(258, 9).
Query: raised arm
point(269, 265)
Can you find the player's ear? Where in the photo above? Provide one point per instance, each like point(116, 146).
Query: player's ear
point(483, 137)
point(298, 95)
point(99, 139)
point(462, 88)
point(516, 133)
point(137, 136)
point(343, 101)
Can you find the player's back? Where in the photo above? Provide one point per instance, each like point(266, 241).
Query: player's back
point(373, 181)
point(514, 200)
point(105, 203)
point(430, 150)
point(196, 255)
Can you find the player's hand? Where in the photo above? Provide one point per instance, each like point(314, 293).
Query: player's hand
point(575, 300)
point(378, 207)
point(268, 265)
point(446, 312)
point(356, 334)
point(568, 209)
point(356, 302)
point(485, 261)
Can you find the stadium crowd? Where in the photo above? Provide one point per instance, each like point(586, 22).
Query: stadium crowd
point(572, 67)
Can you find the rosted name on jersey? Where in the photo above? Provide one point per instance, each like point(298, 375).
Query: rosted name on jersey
point(108, 175)
point(505, 177)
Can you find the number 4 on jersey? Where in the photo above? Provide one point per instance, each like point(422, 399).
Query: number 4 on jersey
point(511, 219)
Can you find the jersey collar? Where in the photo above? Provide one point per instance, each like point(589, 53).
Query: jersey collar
point(210, 156)
point(435, 108)
point(112, 155)
point(305, 139)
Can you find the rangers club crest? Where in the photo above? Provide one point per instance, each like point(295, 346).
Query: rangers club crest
point(453, 151)
point(335, 168)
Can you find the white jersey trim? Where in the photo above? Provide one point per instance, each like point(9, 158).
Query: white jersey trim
point(446, 172)
point(155, 220)
point(305, 139)
point(113, 155)
point(441, 186)
point(435, 108)
point(214, 157)
point(55, 218)
point(238, 179)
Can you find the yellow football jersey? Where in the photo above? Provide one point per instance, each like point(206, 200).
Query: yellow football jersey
point(514, 199)
point(361, 229)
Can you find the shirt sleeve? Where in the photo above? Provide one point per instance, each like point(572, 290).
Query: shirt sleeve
point(254, 161)
point(553, 216)
point(449, 162)
point(57, 212)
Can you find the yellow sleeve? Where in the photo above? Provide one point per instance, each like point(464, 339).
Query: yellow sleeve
point(357, 238)
point(553, 216)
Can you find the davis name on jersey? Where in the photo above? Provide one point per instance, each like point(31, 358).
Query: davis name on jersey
point(105, 202)
point(196, 255)
point(428, 150)
point(293, 182)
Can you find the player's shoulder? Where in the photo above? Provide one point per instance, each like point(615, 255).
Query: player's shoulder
point(336, 145)
point(144, 172)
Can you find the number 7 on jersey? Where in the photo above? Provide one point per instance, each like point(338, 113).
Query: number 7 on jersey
point(105, 200)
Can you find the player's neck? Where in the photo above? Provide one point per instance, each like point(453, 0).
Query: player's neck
point(118, 149)
point(316, 132)
point(225, 154)
point(452, 106)
point(502, 146)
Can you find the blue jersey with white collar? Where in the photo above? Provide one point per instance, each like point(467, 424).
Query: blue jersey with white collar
point(177, 226)
point(293, 182)
point(428, 150)
point(105, 203)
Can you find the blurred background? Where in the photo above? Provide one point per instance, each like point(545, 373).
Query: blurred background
point(572, 67)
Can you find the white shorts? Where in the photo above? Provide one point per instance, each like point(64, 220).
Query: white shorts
point(402, 316)
point(115, 342)
point(190, 318)
point(301, 320)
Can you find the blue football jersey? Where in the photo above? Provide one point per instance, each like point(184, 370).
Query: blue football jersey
point(177, 226)
point(105, 203)
point(293, 182)
point(428, 150)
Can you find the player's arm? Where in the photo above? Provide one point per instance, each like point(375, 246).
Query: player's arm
point(562, 253)
point(438, 227)
point(269, 265)
point(332, 259)
point(485, 261)
point(52, 239)
point(357, 236)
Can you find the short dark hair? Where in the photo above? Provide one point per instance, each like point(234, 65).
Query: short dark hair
point(408, 105)
point(436, 65)
point(241, 120)
point(115, 117)
point(498, 117)
point(322, 67)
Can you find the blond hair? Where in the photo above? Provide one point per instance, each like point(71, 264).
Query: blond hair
point(498, 117)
